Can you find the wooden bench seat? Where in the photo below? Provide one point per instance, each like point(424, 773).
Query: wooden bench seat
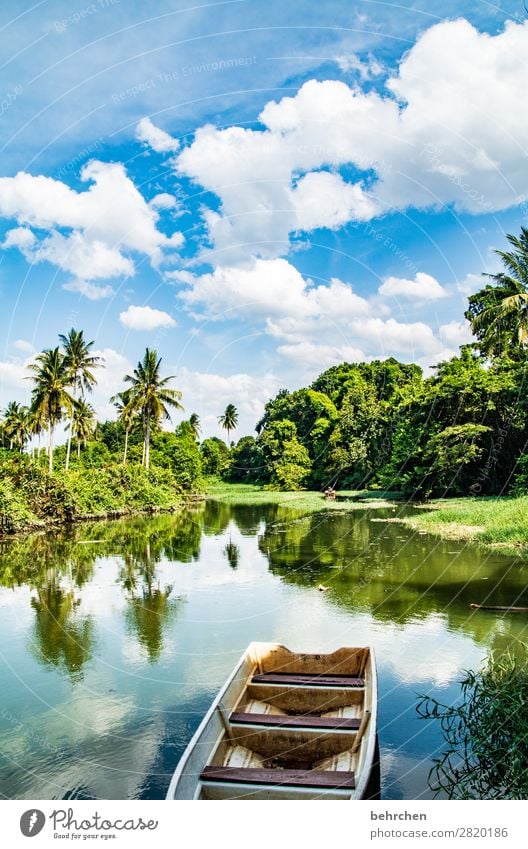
point(306, 679)
point(280, 777)
point(329, 723)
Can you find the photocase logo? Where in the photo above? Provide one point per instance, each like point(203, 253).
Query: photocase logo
point(32, 822)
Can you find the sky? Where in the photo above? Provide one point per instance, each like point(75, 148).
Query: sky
point(257, 190)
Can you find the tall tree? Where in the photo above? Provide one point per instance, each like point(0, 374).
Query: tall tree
point(194, 421)
point(50, 397)
point(499, 312)
point(15, 425)
point(126, 414)
point(150, 396)
point(80, 363)
point(229, 420)
point(82, 423)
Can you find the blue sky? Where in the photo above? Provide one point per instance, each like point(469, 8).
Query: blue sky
point(258, 190)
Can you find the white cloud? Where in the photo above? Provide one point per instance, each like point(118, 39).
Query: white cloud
point(164, 201)
point(322, 199)
point(92, 291)
point(145, 318)
point(86, 259)
point(471, 283)
point(328, 320)
point(422, 288)
point(23, 345)
point(455, 333)
point(103, 224)
point(156, 138)
point(367, 69)
point(20, 237)
point(447, 130)
point(13, 374)
point(314, 358)
point(208, 395)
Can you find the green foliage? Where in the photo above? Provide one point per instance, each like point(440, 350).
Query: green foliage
point(180, 453)
point(31, 496)
point(287, 461)
point(486, 734)
point(215, 456)
point(520, 482)
point(14, 507)
point(247, 462)
point(499, 313)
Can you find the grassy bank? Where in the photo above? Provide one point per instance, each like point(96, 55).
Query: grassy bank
point(31, 498)
point(499, 522)
point(240, 493)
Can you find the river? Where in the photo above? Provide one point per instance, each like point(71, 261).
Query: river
point(115, 636)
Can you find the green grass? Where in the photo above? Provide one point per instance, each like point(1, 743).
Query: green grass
point(493, 521)
point(241, 493)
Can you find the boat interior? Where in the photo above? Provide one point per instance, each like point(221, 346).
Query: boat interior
point(291, 726)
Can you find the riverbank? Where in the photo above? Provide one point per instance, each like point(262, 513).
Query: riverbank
point(308, 500)
point(32, 499)
point(500, 522)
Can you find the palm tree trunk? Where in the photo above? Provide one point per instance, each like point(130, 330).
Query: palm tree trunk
point(50, 448)
point(126, 447)
point(147, 443)
point(228, 440)
point(68, 447)
point(78, 449)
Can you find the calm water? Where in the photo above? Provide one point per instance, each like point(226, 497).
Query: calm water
point(115, 637)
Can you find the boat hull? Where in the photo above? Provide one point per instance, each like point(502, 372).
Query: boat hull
point(283, 721)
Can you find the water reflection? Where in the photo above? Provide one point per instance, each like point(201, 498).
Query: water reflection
point(60, 637)
point(116, 635)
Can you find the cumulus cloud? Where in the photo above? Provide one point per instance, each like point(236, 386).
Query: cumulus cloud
point(422, 288)
point(21, 238)
point(164, 201)
point(145, 318)
point(13, 374)
point(23, 345)
point(208, 394)
point(156, 138)
point(366, 68)
point(323, 323)
point(272, 290)
point(323, 199)
point(447, 129)
point(455, 333)
point(314, 358)
point(103, 225)
point(92, 291)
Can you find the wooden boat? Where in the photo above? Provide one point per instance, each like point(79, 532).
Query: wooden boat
point(286, 725)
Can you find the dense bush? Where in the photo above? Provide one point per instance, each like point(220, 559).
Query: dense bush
point(30, 496)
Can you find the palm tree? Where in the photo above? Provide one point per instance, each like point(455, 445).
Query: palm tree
point(499, 313)
point(49, 397)
point(82, 423)
point(15, 425)
point(229, 420)
point(125, 414)
point(194, 421)
point(80, 364)
point(35, 428)
point(150, 396)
